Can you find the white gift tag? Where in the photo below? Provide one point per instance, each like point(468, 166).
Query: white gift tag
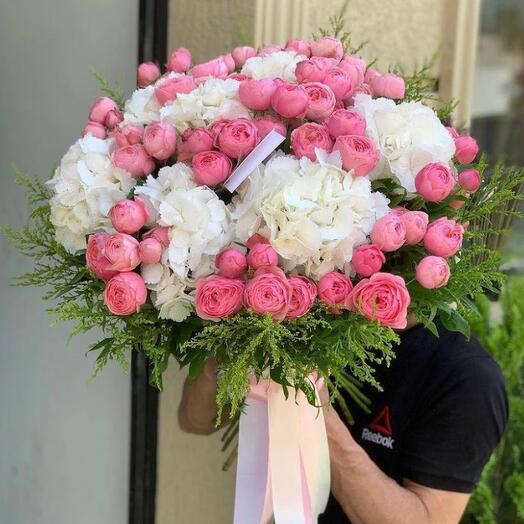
point(270, 142)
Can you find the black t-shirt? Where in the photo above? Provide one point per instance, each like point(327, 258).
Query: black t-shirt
point(441, 413)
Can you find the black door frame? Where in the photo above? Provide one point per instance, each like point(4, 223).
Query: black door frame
point(152, 46)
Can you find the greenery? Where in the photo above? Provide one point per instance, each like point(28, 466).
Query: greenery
point(499, 497)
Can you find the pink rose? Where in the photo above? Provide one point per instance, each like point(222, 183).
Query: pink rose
point(346, 122)
point(469, 179)
point(129, 216)
point(434, 182)
point(355, 67)
point(216, 68)
point(113, 118)
point(306, 138)
point(368, 259)
point(363, 88)
point(125, 293)
point(358, 153)
point(389, 232)
point(99, 109)
point(300, 47)
point(229, 61)
point(339, 81)
point(261, 255)
point(94, 129)
point(466, 148)
point(256, 239)
point(238, 138)
point(269, 50)
point(150, 251)
point(167, 88)
point(266, 124)
point(128, 135)
point(95, 259)
point(290, 100)
point(382, 297)
point(389, 86)
point(256, 94)
point(432, 272)
point(303, 294)
point(321, 101)
point(453, 133)
point(457, 204)
point(310, 71)
point(217, 126)
point(218, 297)
point(371, 75)
point(333, 290)
point(268, 292)
point(193, 141)
point(237, 76)
point(147, 73)
point(159, 233)
point(328, 47)
point(231, 263)
point(133, 159)
point(179, 60)
point(211, 167)
point(416, 224)
point(122, 252)
point(241, 54)
point(160, 140)
point(443, 237)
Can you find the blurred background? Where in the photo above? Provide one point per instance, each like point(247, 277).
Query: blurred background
point(109, 451)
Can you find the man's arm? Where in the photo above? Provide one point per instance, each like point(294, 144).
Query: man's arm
point(368, 496)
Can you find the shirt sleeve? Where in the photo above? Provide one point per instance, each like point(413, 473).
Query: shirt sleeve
point(456, 426)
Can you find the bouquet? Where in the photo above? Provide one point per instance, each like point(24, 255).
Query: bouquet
point(283, 210)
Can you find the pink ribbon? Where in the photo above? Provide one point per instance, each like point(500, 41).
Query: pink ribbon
point(283, 459)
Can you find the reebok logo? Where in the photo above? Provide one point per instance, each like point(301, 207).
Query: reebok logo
point(382, 430)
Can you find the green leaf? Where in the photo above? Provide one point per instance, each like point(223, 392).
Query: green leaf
point(454, 321)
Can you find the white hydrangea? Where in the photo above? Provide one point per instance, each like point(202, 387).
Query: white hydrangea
point(281, 64)
point(409, 135)
point(200, 223)
point(85, 186)
point(313, 213)
point(142, 108)
point(211, 100)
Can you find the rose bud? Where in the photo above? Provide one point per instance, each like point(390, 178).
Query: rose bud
point(229, 61)
point(300, 47)
point(211, 168)
point(167, 89)
point(193, 141)
point(389, 233)
point(160, 233)
point(125, 293)
point(333, 290)
point(321, 101)
point(179, 60)
point(358, 153)
point(150, 251)
point(129, 216)
point(389, 86)
point(303, 294)
point(443, 237)
point(269, 50)
point(371, 75)
point(160, 140)
point(432, 272)
point(231, 263)
point(122, 252)
point(128, 135)
point(339, 81)
point(363, 88)
point(466, 149)
point(256, 94)
point(310, 71)
point(346, 122)
point(416, 224)
point(94, 129)
point(216, 68)
point(328, 47)
point(355, 67)
point(457, 204)
point(453, 133)
point(290, 100)
point(133, 159)
point(261, 255)
point(218, 297)
point(257, 238)
point(113, 118)
point(147, 73)
point(99, 109)
point(238, 138)
point(241, 54)
point(308, 137)
point(434, 182)
point(266, 124)
point(95, 258)
point(470, 180)
point(368, 259)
